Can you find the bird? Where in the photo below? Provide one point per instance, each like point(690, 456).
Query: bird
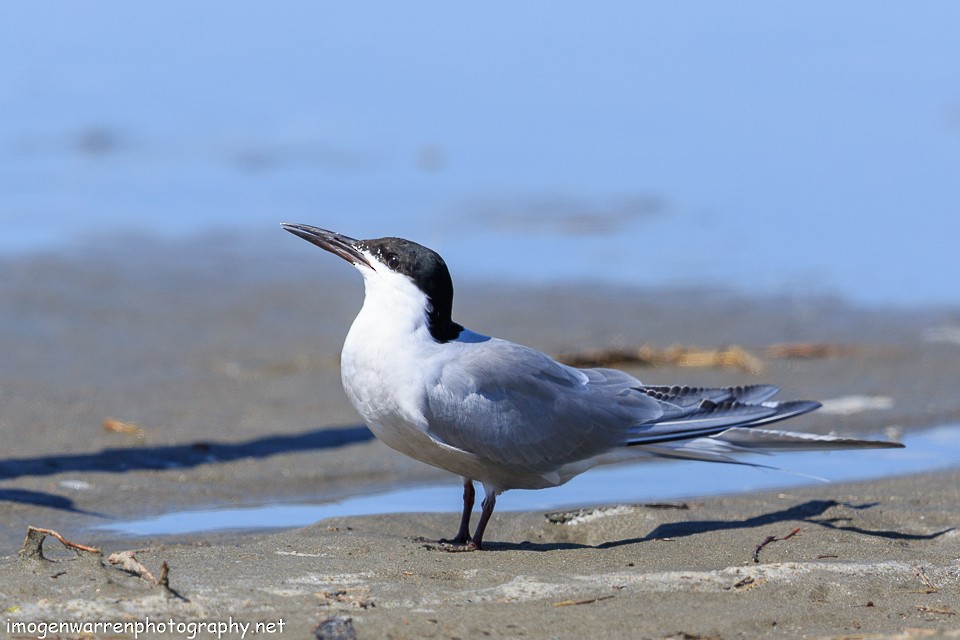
point(509, 416)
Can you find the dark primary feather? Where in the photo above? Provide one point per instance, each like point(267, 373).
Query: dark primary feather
point(684, 396)
point(709, 418)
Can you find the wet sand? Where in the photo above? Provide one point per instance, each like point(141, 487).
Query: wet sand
point(225, 362)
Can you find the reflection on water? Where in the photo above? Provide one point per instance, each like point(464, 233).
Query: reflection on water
point(928, 450)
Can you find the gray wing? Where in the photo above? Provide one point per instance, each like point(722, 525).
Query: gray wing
point(518, 408)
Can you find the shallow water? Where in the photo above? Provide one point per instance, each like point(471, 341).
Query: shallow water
point(928, 450)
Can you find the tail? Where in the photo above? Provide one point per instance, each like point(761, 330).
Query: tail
point(716, 425)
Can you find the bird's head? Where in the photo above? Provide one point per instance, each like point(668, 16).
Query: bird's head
point(396, 266)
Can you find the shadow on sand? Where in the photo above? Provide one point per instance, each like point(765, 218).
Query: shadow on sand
point(124, 459)
point(809, 512)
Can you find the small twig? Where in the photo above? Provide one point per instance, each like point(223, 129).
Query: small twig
point(164, 583)
point(922, 575)
point(682, 506)
point(811, 350)
point(33, 543)
point(358, 597)
point(943, 611)
point(64, 541)
point(768, 540)
point(570, 603)
point(127, 560)
point(119, 426)
point(746, 581)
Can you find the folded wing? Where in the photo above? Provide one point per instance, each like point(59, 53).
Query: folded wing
point(519, 409)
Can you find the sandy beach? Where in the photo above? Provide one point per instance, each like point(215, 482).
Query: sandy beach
point(187, 377)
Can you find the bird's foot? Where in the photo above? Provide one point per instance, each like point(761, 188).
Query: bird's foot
point(450, 546)
point(454, 547)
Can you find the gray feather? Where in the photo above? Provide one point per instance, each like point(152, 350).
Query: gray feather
point(520, 409)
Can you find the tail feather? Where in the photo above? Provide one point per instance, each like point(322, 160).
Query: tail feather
point(775, 440)
point(724, 446)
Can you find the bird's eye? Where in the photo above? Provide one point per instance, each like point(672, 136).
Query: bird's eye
point(392, 261)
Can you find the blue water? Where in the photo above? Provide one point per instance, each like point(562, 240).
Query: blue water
point(925, 451)
point(768, 147)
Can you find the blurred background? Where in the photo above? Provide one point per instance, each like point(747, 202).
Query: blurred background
point(756, 146)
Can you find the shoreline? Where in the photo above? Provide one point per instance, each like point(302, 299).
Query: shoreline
point(851, 560)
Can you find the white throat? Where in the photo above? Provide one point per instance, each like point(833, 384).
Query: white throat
point(381, 362)
point(394, 308)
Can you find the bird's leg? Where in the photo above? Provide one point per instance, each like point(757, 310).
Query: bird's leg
point(463, 541)
point(489, 501)
point(469, 495)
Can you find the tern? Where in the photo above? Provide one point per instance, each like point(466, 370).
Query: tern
point(508, 416)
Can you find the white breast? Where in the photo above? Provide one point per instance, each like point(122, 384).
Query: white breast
point(385, 359)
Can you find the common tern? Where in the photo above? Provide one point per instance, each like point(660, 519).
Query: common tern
point(511, 417)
